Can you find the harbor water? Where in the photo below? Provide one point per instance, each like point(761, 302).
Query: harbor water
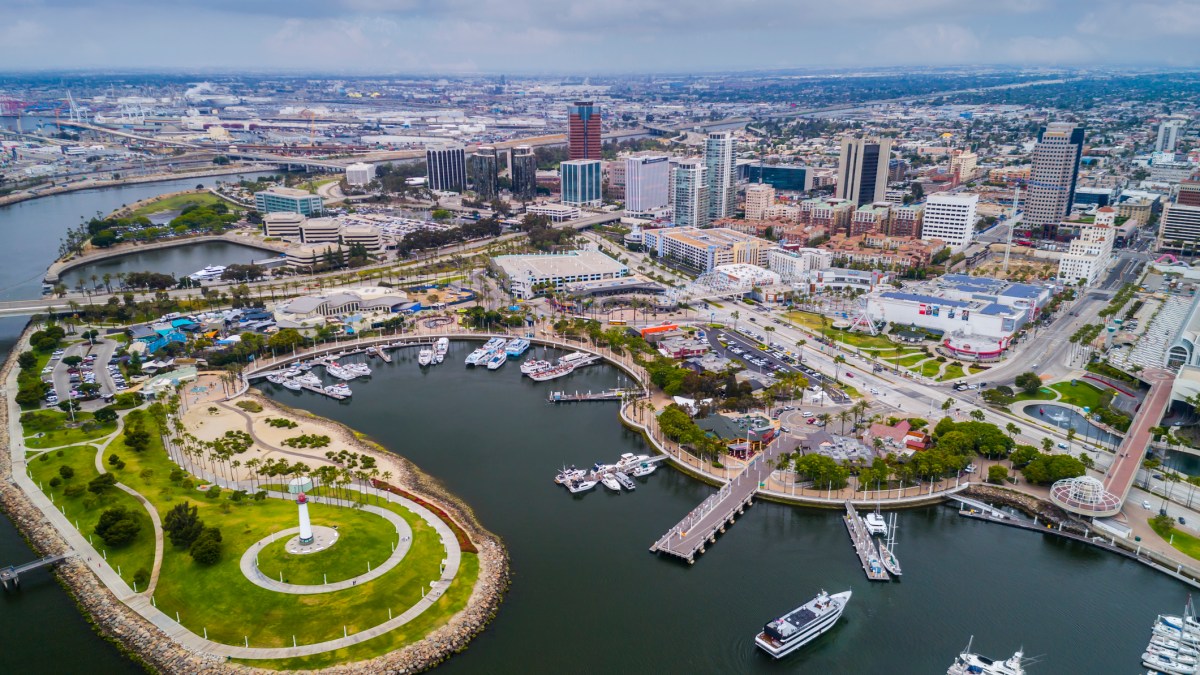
point(587, 596)
point(180, 261)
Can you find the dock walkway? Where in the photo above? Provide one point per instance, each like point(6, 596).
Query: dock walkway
point(699, 528)
point(864, 546)
point(10, 577)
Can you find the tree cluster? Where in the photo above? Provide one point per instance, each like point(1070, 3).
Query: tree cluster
point(186, 530)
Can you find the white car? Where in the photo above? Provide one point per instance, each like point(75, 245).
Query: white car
point(806, 413)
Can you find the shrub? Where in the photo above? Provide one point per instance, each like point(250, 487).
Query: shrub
point(213, 492)
point(114, 459)
point(74, 490)
point(141, 577)
point(101, 483)
point(206, 550)
point(55, 482)
point(176, 475)
point(66, 472)
point(250, 406)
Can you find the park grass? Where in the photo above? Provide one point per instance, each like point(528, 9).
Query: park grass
point(911, 360)
point(1081, 394)
point(953, 372)
point(452, 601)
point(363, 538)
point(1183, 542)
point(49, 429)
point(812, 321)
point(85, 509)
point(1042, 394)
point(177, 202)
point(930, 368)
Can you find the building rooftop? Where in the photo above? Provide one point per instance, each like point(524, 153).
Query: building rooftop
point(287, 192)
point(926, 299)
point(574, 263)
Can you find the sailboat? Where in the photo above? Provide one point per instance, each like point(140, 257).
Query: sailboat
point(887, 549)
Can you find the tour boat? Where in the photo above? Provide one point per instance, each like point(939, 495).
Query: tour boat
point(609, 482)
point(516, 346)
point(802, 625)
point(476, 357)
point(530, 367)
point(425, 357)
point(574, 357)
point(441, 346)
point(496, 360)
point(551, 373)
point(625, 481)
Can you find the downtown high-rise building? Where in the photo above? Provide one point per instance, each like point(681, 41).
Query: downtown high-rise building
point(689, 193)
point(446, 168)
point(1169, 131)
point(646, 182)
point(722, 175)
point(581, 181)
point(524, 172)
point(485, 173)
point(1052, 179)
point(583, 130)
point(863, 170)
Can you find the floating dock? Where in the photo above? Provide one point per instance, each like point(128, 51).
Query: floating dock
point(864, 546)
point(564, 397)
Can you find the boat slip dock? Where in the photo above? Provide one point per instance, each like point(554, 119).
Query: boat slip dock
point(864, 546)
point(610, 395)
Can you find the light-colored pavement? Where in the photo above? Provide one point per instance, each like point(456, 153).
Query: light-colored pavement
point(249, 562)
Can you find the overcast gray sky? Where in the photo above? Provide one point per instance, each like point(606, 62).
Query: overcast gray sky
point(592, 36)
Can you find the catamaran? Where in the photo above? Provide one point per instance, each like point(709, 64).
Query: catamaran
point(876, 524)
point(496, 360)
point(476, 357)
point(516, 346)
point(802, 625)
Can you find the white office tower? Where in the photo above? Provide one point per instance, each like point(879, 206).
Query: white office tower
point(760, 197)
point(360, 173)
point(690, 193)
point(1169, 131)
point(722, 175)
point(646, 183)
point(951, 218)
point(1088, 255)
point(306, 532)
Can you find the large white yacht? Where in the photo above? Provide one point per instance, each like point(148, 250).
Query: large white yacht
point(802, 625)
point(970, 663)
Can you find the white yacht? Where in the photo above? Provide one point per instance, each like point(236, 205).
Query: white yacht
point(1164, 663)
point(293, 385)
point(441, 346)
point(425, 357)
point(642, 470)
point(625, 481)
point(876, 524)
point(580, 485)
point(1164, 642)
point(533, 366)
point(1178, 657)
point(802, 625)
point(210, 273)
point(970, 663)
point(609, 482)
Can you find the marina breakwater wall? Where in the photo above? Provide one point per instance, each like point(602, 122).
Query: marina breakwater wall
point(148, 645)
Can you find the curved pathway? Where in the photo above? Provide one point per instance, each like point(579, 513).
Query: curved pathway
point(256, 577)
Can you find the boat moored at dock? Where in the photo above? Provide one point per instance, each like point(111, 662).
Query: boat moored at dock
point(496, 360)
point(425, 357)
point(803, 624)
point(516, 347)
point(970, 663)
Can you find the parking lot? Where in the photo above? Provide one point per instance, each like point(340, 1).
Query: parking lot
point(66, 378)
point(777, 360)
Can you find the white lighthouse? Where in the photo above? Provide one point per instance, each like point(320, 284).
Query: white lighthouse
point(306, 531)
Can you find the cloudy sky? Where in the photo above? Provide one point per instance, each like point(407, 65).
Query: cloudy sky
point(593, 36)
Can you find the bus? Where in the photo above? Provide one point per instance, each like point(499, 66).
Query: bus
point(618, 322)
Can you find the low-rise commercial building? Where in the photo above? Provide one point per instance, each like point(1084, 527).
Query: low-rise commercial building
point(791, 264)
point(526, 276)
point(283, 225)
point(360, 173)
point(555, 212)
point(276, 199)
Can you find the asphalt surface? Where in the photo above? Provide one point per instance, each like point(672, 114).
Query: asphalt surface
point(774, 364)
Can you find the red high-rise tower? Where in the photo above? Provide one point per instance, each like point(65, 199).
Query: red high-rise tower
point(583, 130)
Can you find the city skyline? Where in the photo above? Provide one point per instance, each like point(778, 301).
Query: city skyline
point(536, 37)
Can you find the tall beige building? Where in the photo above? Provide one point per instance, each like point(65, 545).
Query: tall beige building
point(964, 163)
point(759, 199)
point(863, 170)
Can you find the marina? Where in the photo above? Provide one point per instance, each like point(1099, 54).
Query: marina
point(864, 545)
point(615, 477)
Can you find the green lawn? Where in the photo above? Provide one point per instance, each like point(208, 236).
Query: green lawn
point(929, 368)
point(953, 372)
point(812, 321)
point(52, 428)
point(1188, 544)
point(85, 509)
point(363, 538)
point(911, 360)
point(1082, 394)
point(177, 202)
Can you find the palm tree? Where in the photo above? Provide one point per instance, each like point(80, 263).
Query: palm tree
point(1070, 438)
point(838, 361)
point(824, 418)
point(1012, 430)
point(843, 417)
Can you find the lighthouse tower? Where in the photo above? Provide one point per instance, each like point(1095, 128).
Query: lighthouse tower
point(306, 532)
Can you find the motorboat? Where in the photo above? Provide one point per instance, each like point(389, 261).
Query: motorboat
point(567, 475)
point(210, 273)
point(802, 625)
point(1164, 642)
point(1164, 663)
point(1178, 657)
point(970, 663)
point(441, 346)
point(425, 357)
point(608, 481)
point(625, 481)
point(275, 378)
point(496, 360)
point(339, 389)
point(628, 460)
point(293, 385)
point(581, 485)
point(643, 470)
point(308, 380)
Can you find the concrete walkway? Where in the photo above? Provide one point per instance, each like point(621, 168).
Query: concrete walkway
point(250, 568)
